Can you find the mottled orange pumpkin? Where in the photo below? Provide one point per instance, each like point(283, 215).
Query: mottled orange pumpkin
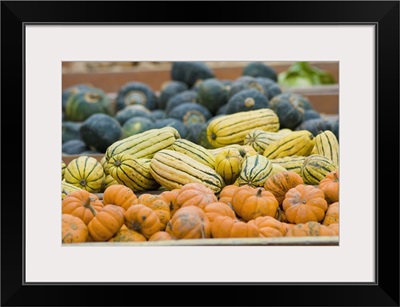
point(310, 229)
point(195, 194)
point(189, 223)
point(226, 193)
point(170, 198)
point(304, 203)
point(279, 183)
point(332, 214)
point(74, 230)
point(119, 195)
point(106, 223)
point(227, 227)
point(128, 235)
point(82, 204)
point(218, 209)
point(269, 226)
point(250, 203)
point(288, 226)
point(143, 220)
point(335, 228)
point(156, 203)
point(161, 236)
point(330, 186)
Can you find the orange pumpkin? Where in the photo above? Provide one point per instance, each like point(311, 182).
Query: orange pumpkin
point(335, 228)
point(170, 198)
point(119, 195)
point(304, 203)
point(128, 235)
point(250, 203)
point(310, 229)
point(106, 223)
point(279, 183)
point(143, 219)
point(332, 214)
point(227, 227)
point(161, 236)
point(156, 203)
point(226, 193)
point(269, 226)
point(74, 230)
point(218, 209)
point(288, 226)
point(195, 194)
point(82, 204)
point(189, 223)
point(330, 186)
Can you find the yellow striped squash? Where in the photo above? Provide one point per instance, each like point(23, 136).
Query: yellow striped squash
point(292, 163)
point(197, 152)
point(67, 188)
point(216, 151)
point(315, 168)
point(228, 163)
point(86, 173)
point(326, 144)
point(63, 167)
point(276, 168)
point(255, 170)
point(260, 139)
point(109, 181)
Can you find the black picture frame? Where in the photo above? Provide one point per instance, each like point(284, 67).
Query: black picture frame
point(383, 14)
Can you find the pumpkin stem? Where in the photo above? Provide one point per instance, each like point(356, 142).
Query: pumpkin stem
point(279, 214)
point(259, 191)
point(88, 205)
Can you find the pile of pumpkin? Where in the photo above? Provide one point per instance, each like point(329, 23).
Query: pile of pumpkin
point(259, 181)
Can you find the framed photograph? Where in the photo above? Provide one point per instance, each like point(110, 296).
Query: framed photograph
point(40, 39)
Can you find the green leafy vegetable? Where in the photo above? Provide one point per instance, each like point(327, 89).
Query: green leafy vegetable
point(303, 74)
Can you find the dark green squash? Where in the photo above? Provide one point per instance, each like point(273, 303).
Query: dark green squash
point(140, 93)
point(194, 132)
point(158, 114)
point(66, 93)
point(202, 138)
point(99, 131)
point(189, 72)
point(246, 100)
point(311, 114)
point(136, 125)
point(212, 94)
point(172, 122)
point(169, 89)
point(335, 127)
point(290, 110)
point(182, 97)
point(222, 110)
point(74, 147)
point(82, 105)
point(271, 87)
point(244, 83)
point(132, 111)
point(315, 125)
point(70, 131)
point(260, 69)
point(190, 113)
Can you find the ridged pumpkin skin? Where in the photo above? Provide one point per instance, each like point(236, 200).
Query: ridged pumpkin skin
point(161, 236)
point(330, 186)
point(170, 198)
point(213, 210)
point(227, 227)
point(195, 194)
point(74, 230)
point(310, 229)
point(106, 223)
point(127, 235)
point(156, 203)
point(119, 195)
point(250, 203)
point(304, 203)
point(227, 192)
point(81, 204)
point(143, 219)
point(279, 183)
point(269, 226)
point(255, 171)
point(331, 215)
point(189, 223)
point(86, 173)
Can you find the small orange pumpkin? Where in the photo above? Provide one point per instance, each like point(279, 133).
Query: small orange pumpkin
point(170, 198)
point(332, 214)
point(156, 203)
point(189, 223)
point(74, 230)
point(195, 194)
point(304, 203)
point(106, 223)
point(143, 220)
point(227, 227)
point(279, 183)
point(226, 193)
point(119, 195)
point(82, 204)
point(330, 186)
point(250, 203)
point(128, 235)
point(335, 228)
point(161, 236)
point(310, 229)
point(269, 226)
point(218, 209)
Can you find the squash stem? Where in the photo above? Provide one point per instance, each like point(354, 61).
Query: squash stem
point(87, 204)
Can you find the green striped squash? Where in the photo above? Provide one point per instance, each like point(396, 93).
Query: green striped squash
point(228, 163)
point(197, 152)
point(109, 181)
point(315, 168)
point(132, 172)
point(86, 173)
point(260, 140)
point(232, 129)
point(255, 170)
point(326, 144)
point(145, 144)
point(63, 167)
point(67, 188)
point(173, 169)
point(292, 163)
